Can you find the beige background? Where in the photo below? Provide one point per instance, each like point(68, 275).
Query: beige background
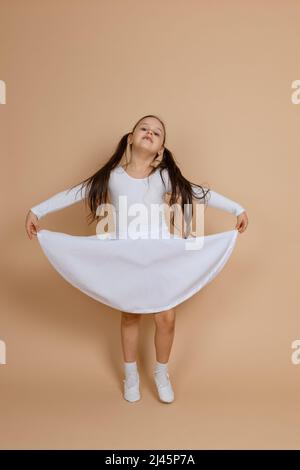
point(79, 74)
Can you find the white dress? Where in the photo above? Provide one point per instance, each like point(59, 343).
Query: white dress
point(147, 274)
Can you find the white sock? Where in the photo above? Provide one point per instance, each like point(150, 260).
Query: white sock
point(161, 366)
point(131, 373)
point(160, 371)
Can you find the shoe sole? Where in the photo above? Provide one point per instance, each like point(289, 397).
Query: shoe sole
point(133, 401)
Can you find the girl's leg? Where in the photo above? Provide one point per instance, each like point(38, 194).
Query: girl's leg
point(164, 334)
point(130, 323)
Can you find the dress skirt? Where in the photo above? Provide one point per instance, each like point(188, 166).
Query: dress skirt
point(138, 275)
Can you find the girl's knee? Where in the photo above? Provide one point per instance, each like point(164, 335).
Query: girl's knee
point(130, 317)
point(165, 319)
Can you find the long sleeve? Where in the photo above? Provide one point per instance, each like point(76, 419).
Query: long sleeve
point(224, 203)
point(60, 200)
point(213, 198)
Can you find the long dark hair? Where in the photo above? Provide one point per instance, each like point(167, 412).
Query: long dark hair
point(97, 185)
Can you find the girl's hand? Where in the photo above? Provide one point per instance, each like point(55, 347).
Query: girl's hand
point(31, 224)
point(242, 222)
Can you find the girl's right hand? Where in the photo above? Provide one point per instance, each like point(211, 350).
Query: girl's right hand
point(31, 224)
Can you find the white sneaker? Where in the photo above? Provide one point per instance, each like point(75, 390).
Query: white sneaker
point(165, 391)
point(132, 389)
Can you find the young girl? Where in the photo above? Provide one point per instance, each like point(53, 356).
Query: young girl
point(149, 273)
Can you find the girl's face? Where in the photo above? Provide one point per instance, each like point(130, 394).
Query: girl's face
point(148, 135)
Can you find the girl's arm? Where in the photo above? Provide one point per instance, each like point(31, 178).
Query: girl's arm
point(213, 198)
point(221, 202)
point(59, 201)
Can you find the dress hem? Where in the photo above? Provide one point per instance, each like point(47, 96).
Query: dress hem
point(183, 298)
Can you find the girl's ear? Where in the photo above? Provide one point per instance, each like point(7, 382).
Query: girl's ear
point(158, 159)
point(161, 151)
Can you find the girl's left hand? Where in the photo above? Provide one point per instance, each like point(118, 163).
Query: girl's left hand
point(242, 222)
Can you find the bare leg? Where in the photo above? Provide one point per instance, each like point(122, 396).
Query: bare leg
point(130, 323)
point(164, 334)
